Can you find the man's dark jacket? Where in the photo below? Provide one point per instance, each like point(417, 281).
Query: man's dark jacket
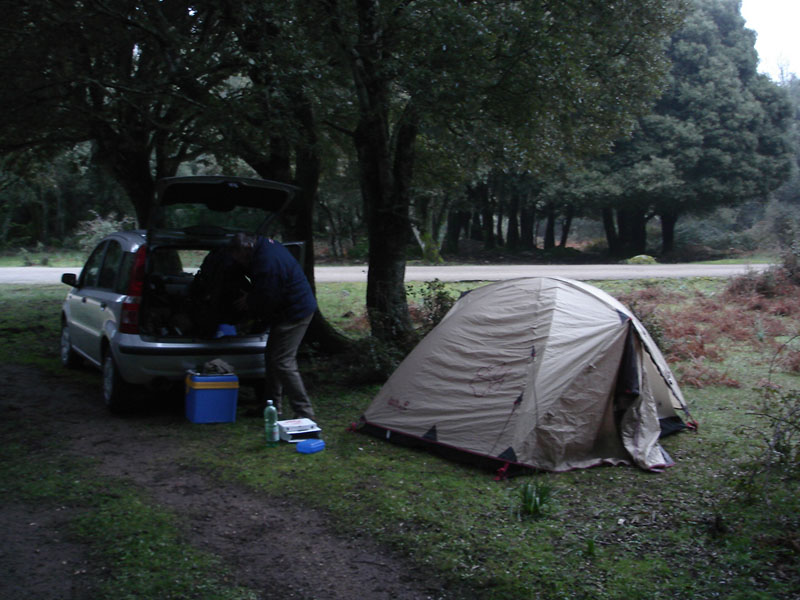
point(280, 291)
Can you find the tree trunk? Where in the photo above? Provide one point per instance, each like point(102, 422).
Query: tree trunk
point(426, 230)
point(499, 227)
point(453, 232)
point(438, 216)
point(668, 222)
point(612, 237)
point(334, 239)
point(638, 228)
point(475, 227)
point(386, 203)
point(465, 217)
point(566, 224)
point(42, 211)
point(550, 228)
point(132, 170)
point(526, 228)
point(631, 232)
point(385, 160)
point(512, 237)
point(487, 215)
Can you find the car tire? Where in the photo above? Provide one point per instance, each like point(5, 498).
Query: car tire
point(69, 358)
point(116, 391)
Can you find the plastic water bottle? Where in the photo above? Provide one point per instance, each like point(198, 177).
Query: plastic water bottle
point(271, 424)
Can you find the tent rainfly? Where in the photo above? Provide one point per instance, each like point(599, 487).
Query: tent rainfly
point(542, 373)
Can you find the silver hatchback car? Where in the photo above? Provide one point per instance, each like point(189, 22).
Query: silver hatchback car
point(149, 305)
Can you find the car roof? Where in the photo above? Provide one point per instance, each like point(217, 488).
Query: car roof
point(130, 238)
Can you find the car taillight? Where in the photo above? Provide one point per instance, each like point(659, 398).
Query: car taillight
point(136, 284)
point(129, 317)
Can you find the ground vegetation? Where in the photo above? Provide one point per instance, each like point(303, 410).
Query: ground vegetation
point(151, 505)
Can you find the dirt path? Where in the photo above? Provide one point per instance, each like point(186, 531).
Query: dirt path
point(305, 559)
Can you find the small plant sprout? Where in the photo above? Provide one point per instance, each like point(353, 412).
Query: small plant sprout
point(535, 498)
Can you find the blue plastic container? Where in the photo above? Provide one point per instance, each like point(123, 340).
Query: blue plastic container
point(211, 398)
point(225, 329)
point(310, 446)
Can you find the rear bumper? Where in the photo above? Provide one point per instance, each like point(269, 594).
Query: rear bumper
point(142, 362)
point(173, 350)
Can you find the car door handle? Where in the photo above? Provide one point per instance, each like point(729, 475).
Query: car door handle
point(83, 299)
point(103, 305)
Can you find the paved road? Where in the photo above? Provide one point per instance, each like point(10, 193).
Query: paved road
point(52, 275)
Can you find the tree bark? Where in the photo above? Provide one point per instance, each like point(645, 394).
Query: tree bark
point(487, 216)
point(638, 228)
point(475, 228)
point(629, 238)
point(668, 222)
point(526, 228)
point(512, 236)
point(566, 224)
point(453, 232)
point(129, 164)
point(550, 228)
point(385, 185)
point(612, 237)
point(499, 241)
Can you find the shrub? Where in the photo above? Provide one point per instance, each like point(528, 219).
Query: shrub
point(359, 250)
point(373, 360)
point(696, 372)
point(436, 302)
point(642, 259)
point(644, 304)
point(29, 257)
point(780, 410)
point(791, 262)
point(27, 260)
point(91, 231)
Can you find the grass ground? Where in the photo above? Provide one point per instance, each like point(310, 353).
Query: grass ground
point(723, 523)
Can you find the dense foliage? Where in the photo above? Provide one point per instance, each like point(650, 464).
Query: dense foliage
point(715, 137)
point(481, 120)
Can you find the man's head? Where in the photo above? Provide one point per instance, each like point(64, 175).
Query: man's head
point(242, 247)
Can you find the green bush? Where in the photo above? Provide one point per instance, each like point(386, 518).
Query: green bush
point(359, 250)
point(93, 230)
point(642, 259)
point(436, 302)
point(780, 411)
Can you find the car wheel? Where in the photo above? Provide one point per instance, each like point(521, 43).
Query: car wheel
point(69, 358)
point(116, 391)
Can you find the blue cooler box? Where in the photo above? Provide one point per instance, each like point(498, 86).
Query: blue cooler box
point(211, 398)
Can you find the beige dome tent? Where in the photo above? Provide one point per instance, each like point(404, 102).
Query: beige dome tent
point(544, 373)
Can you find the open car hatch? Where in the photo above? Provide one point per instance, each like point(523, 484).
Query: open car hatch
point(216, 206)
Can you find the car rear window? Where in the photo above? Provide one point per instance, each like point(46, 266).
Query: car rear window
point(201, 218)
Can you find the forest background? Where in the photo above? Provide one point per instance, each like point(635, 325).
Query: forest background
point(416, 130)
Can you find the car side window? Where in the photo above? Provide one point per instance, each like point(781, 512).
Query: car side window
point(108, 273)
point(91, 271)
